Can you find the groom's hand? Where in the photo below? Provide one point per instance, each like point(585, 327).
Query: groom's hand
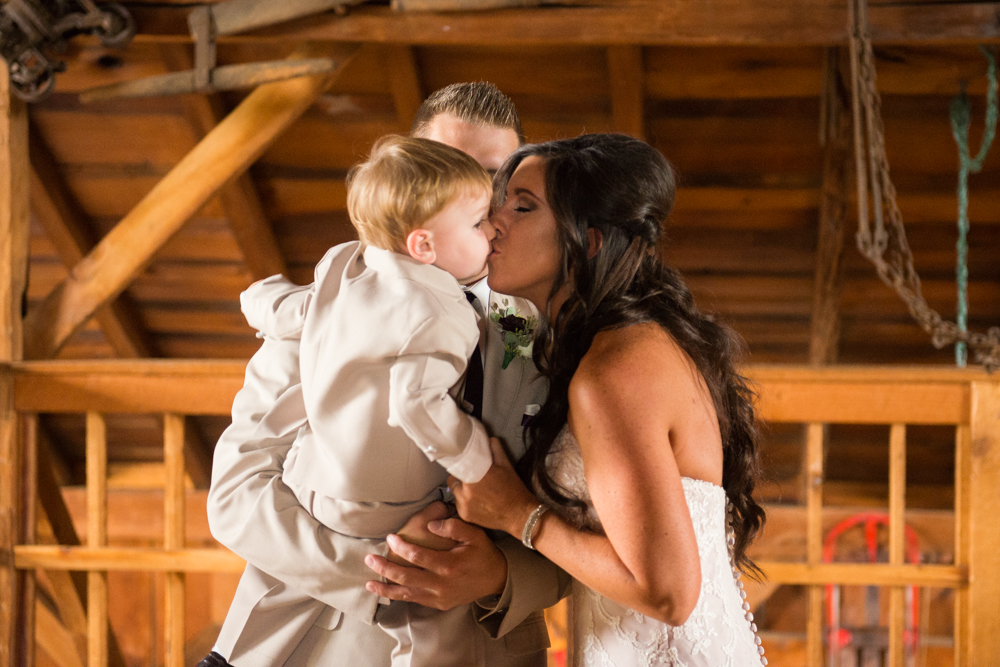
point(474, 568)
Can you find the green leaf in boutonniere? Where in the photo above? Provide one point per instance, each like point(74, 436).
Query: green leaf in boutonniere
point(518, 332)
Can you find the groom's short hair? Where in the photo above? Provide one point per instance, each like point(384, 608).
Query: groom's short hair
point(405, 182)
point(477, 103)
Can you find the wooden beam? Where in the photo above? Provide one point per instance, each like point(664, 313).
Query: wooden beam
point(627, 83)
point(984, 538)
point(834, 196)
point(404, 82)
point(226, 152)
point(65, 224)
point(14, 226)
point(648, 22)
point(858, 574)
point(835, 394)
point(240, 197)
point(89, 559)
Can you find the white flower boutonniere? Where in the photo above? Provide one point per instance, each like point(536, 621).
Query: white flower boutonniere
point(517, 331)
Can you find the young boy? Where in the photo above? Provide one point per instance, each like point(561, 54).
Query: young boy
point(385, 335)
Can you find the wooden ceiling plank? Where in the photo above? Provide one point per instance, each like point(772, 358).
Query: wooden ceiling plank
point(225, 153)
point(403, 74)
point(648, 22)
point(64, 222)
point(240, 198)
point(627, 83)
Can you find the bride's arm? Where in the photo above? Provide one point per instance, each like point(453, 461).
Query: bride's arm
point(621, 413)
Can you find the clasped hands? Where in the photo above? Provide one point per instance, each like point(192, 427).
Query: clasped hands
point(442, 561)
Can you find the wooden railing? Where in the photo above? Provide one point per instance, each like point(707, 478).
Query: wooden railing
point(967, 400)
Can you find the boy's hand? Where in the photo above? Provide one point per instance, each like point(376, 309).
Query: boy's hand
point(415, 531)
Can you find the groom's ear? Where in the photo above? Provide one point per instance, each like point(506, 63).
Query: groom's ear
point(420, 246)
point(595, 239)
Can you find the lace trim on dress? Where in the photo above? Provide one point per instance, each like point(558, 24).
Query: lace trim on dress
point(720, 631)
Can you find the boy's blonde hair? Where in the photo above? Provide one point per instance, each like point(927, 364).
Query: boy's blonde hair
point(404, 182)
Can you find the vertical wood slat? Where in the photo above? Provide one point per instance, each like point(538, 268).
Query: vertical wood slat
point(814, 526)
point(29, 484)
point(174, 497)
point(897, 541)
point(984, 538)
point(97, 536)
point(963, 453)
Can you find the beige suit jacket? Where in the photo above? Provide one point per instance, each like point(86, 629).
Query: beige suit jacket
point(290, 555)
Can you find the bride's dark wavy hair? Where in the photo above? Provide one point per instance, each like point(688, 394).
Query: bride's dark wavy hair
point(624, 189)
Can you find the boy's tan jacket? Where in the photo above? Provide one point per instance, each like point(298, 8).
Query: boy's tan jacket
point(305, 583)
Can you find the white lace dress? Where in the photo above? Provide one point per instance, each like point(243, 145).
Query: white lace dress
point(720, 630)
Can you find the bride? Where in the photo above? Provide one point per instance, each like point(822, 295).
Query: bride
point(644, 455)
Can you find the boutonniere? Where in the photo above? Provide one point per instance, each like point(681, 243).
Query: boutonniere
point(517, 331)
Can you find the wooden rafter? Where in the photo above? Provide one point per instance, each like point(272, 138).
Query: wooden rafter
point(650, 22)
point(65, 224)
point(627, 90)
point(240, 198)
point(226, 152)
point(404, 82)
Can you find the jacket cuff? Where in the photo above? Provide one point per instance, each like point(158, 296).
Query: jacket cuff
point(475, 460)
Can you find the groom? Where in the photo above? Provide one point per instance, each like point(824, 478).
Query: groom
point(289, 553)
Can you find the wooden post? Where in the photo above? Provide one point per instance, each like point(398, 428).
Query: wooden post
point(97, 536)
point(984, 538)
point(225, 153)
point(814, 540)
point(173, 502)
point(834, 130)
point(963, 464)
point(897, 534)
point(14, 221)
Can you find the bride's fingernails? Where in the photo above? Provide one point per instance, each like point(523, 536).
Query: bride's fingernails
point(434, 525)
point(370, 561)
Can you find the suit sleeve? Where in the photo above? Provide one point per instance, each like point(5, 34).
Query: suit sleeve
point(253, 513)
point(429, 366)
point(533, 583)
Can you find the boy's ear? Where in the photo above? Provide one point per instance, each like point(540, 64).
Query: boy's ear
point(420, 246)
point(595, 240)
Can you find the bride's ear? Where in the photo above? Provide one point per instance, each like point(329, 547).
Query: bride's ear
point(595, 239)
point(420, 246)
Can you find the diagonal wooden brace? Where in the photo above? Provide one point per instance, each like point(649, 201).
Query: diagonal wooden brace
point(226, 152)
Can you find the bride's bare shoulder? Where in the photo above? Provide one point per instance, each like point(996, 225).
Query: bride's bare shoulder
point(629, 361)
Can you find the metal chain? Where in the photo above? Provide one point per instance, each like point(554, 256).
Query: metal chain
point(961, 119)
point(886, 246)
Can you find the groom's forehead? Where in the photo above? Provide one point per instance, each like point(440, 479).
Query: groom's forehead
point(487, 144)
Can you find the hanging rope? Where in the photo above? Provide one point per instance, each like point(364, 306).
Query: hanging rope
point(882, 239)
point(961, 119)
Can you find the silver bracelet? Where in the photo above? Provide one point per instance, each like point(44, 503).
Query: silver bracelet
point(529, 526)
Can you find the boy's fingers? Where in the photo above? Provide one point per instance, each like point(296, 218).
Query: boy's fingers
point(454, 529)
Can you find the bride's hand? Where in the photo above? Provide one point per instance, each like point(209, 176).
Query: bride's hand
point(499, 500)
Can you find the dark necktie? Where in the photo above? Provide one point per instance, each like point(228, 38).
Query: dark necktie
point(474, 374)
